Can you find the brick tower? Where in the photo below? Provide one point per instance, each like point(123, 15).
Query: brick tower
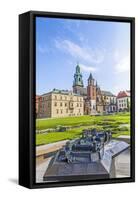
point(91, 94)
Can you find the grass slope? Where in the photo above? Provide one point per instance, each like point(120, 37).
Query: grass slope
point(111, 122)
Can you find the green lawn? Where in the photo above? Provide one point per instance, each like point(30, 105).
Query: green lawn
point(82, 120)
point(111, 122)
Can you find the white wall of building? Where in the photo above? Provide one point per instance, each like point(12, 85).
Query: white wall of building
point(122, 103)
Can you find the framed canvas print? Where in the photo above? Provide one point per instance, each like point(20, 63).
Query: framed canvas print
point(76, 99)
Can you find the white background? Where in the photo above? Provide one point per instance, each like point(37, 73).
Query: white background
point(9, 11)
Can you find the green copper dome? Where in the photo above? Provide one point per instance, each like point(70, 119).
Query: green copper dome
point(78, 77)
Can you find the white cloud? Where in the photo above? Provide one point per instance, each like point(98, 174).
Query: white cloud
point(88, 68)
point(118, 88)
point(81, 38)
point(123, 65)
point(80, 52)
point(42, 49)
point(116, 55)
point(122, 86)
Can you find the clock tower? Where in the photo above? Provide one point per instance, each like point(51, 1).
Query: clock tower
point(78, 82)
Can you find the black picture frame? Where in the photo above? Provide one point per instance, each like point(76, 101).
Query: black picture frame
point(27, 86)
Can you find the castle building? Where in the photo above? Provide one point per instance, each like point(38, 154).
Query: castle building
point(95, 100)
point(38, 100)
point(100, 100)
point(82, 100)
point(78, 87)
point(123, 101)
point(61, 103)
point(110, 102)
point(91, 94)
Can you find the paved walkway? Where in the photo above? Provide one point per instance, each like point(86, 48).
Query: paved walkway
point(122, 164)
point(124, 136)
point(41, 169)
point(44, 149)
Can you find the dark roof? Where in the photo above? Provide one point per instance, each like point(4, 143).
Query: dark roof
point(90, 77)
point(64, 92)
point(107, 93)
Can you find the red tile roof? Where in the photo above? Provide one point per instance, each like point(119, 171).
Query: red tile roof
point(122, 94)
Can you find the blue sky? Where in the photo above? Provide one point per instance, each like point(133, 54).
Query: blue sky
point(102, 48)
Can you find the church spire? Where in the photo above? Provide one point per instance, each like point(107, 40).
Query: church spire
point(78, 77)
point(90, 80)
point(77, 68)
point(90, 77)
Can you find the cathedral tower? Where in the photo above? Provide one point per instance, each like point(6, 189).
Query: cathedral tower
point(91, 93)
point(91, 88)
point(78, 82)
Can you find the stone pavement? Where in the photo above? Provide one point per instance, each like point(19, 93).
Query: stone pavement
point(40, 170)
point(44, 149)
point(122, 163)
